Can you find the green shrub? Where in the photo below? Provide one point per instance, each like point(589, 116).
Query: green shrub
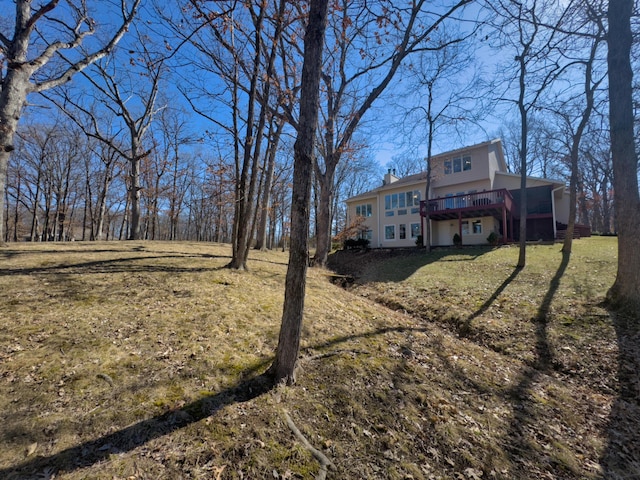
point(360, 243)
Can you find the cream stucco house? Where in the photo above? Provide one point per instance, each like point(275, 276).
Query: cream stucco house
point(471, 194)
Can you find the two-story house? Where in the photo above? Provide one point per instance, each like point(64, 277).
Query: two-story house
point(471, 194)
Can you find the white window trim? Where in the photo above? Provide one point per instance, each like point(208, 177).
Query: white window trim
point(395, 236)
point(411, 229)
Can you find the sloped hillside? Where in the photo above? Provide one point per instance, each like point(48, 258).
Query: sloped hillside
point(144, 360)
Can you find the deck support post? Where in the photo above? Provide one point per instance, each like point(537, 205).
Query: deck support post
point(511, 221)
point(504, 224)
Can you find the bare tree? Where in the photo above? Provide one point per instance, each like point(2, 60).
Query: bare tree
point(29, 65)
point(238, 43)
point(531, 30)
point(405, 163)
point(595, 190)
point(173, 136)
point(381, 37)
point(123, 95)
point(33, 146)
point(275, 132)
point(357, 174)
point(108, 169)
point(17, 197)
point(283, 367)
point(574, 102)
point(45, 169)
point(576, 117)
point(449, 94)
point(625, 292)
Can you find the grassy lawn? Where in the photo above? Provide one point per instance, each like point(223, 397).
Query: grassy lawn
point(143, 360)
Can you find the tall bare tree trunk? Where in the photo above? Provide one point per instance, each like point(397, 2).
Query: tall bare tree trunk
point(16, 210)
point(36, 199)
point(326, 181)
point(268, 183)
point(606, 208)
point(246, 179)
point(522, 255)
point(589, 91)
point(102, 200)
point(13, 95)
point(426, 240)
point(283, 367)
point(134, 196)
point(88, 210)
point(625, 292)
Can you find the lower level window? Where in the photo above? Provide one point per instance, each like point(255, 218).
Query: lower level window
point(390, 232)
point(402, 231)
point(477, 226)
point(415, 230)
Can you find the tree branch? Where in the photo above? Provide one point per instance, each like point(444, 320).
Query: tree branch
point(89, 59)
point(46, 8)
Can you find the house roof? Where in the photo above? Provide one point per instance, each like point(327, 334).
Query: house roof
point(451, 153)
point(408, 180)
point(555, 181)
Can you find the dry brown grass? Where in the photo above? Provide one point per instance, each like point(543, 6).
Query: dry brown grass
point(142, 360)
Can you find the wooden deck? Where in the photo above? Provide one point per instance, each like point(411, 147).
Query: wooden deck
point(481, 204)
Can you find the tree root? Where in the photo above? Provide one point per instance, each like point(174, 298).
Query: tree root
point(331, 354)
point(321, 457)
point(106, 378)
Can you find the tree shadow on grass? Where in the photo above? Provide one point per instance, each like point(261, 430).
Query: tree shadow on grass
point(114, 265)
point(519, 438)
point(129, 438)
point(621, 459)
point(138, 434)
point(465, 328)
point(397, 265)
point(124, 264)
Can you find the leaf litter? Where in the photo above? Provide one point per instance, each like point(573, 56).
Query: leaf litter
point(407, 374)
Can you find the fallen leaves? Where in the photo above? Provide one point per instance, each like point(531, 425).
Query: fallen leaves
point(31, 449)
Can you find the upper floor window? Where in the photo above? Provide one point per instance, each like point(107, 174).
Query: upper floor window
point(363, 210)
point(457, 164)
